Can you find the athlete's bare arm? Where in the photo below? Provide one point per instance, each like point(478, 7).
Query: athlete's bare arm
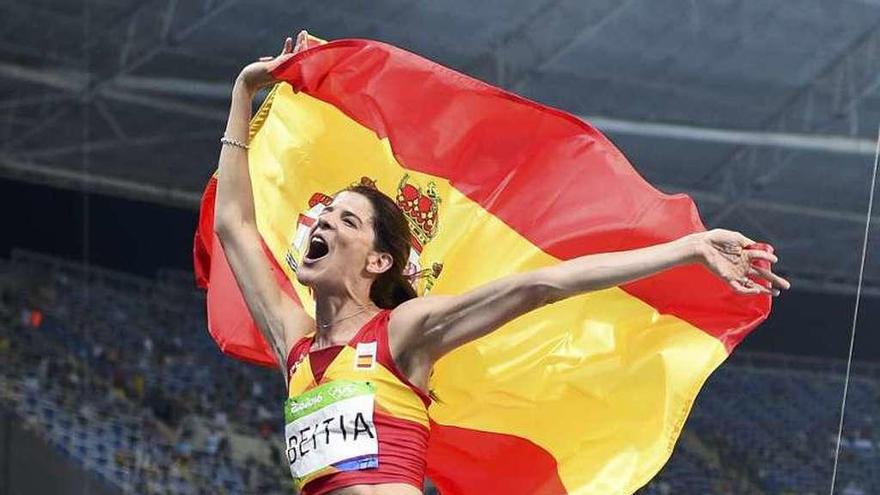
point(428, 327)
point(281, 321)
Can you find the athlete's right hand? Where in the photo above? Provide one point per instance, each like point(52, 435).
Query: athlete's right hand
point(259, 74)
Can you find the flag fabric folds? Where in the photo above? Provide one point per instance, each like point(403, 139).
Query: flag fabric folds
point(584, 396)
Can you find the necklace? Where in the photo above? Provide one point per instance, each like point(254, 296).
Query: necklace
point(324, 326)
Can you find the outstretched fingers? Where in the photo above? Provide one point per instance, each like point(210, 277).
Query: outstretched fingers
point(775, 280)
point(760, 254)
point(302, 41)
point(286, 48)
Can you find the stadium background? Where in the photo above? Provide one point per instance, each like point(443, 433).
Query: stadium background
point(764, 112)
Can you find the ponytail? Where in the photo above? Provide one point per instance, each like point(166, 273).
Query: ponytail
point(391, 290)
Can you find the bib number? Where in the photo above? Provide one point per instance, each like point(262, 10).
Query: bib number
point(330, 428)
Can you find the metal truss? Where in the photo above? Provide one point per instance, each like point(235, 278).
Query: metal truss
point(538, 39)
point(108, 57)
point(68, 178)
point(823, 117)
point(771, 140)
point(102, 73)
point(828, 105)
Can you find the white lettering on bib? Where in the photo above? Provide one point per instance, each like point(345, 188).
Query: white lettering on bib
point(330, 428)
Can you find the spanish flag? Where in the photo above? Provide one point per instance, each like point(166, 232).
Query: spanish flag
point(585, 396)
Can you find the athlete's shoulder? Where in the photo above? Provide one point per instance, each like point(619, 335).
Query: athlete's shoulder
point(417, 310)
point(407, 323)
point(407, 317)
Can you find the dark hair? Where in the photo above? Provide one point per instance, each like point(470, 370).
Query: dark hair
point(392, 236)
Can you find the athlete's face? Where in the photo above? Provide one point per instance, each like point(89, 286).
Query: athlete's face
point(340, 248)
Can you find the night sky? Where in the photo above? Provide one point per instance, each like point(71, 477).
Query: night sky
point(141, 238)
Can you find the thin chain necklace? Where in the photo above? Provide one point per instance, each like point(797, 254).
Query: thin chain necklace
point(325, 326)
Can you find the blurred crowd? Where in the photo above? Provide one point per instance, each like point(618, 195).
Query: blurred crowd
point(126, 380)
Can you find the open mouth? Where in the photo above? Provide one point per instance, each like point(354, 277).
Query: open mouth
point(318, 248)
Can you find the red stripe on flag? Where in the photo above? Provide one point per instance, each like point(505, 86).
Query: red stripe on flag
point(204, 236)
point(496, 463)
point(306, 220)
point(549, 163)
point(239, 336)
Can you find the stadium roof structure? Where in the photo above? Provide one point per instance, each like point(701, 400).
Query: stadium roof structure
point(765, 113)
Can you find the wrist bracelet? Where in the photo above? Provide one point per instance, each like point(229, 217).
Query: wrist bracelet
point(233, 142)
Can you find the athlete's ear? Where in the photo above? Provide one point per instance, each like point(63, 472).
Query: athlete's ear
point(378, 263)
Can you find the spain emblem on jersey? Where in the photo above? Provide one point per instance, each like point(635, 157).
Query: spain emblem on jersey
point(365, 356)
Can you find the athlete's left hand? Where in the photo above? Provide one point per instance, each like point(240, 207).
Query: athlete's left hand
point(259, 74)
point(728, 255)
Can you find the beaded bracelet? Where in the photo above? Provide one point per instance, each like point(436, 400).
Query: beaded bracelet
point(233, 142)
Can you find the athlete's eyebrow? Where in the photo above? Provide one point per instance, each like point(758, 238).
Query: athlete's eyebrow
point(345, 212)
point(353, 214)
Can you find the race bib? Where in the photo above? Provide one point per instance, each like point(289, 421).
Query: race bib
point(330, 428)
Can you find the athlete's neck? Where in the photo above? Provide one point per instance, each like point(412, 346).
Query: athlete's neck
point(338, 317)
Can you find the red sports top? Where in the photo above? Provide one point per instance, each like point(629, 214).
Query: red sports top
point(400, 413)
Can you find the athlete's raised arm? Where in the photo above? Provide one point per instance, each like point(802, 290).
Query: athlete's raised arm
point(280, 320)
point(432, 326)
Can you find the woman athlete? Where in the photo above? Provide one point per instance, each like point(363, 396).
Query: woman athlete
point(357, 375)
